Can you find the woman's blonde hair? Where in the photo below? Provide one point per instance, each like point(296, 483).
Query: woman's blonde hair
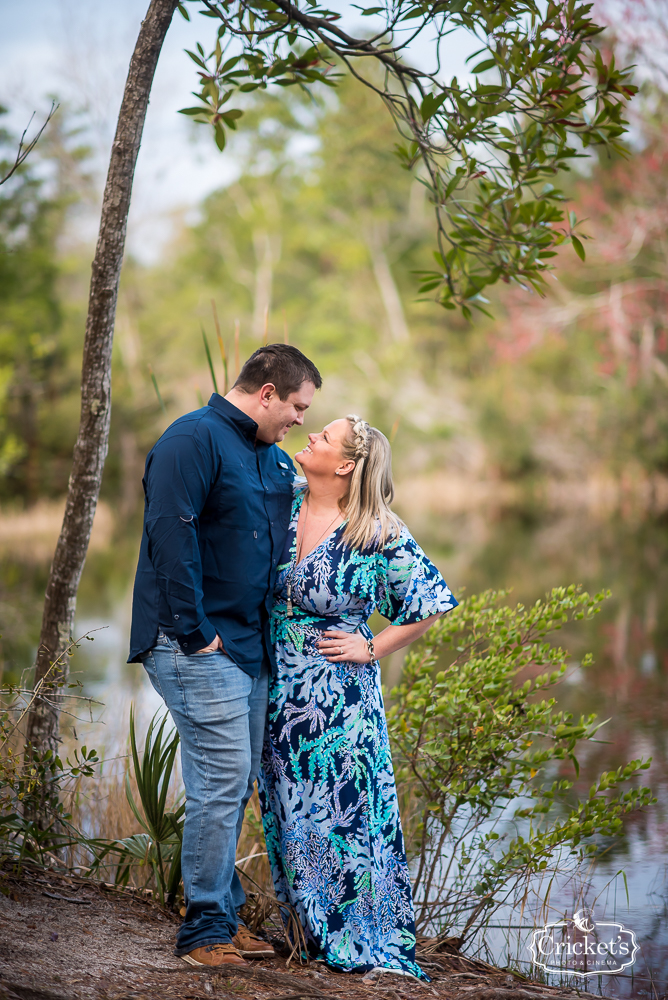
point(367, 504)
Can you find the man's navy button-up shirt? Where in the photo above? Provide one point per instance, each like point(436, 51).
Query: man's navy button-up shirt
point(216, 515)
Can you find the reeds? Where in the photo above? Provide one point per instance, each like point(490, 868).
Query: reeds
point(132, 824)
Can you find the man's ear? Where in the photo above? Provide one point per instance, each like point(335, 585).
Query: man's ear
point(266, 392)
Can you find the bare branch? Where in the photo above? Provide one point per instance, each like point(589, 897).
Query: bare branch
point(25, 149)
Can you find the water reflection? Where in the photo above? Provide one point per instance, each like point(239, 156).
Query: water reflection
point(626, 683)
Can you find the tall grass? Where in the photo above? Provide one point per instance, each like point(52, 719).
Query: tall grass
point(131, 818)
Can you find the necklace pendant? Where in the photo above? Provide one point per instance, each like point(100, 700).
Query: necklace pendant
point(289, 612)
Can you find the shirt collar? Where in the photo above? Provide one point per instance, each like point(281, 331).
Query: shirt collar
point(245, 423)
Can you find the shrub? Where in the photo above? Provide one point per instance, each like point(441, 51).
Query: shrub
point(476, 749)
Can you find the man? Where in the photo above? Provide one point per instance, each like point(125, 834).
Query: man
point(218, 495)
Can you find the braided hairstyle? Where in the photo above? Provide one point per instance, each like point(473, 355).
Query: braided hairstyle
point(361, 432)
point(367, 504)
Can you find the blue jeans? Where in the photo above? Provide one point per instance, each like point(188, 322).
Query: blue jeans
point(220, 714)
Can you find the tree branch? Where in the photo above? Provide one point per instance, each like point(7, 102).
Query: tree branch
point(24, 150)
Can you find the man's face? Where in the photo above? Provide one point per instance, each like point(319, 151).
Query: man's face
point(281, 414)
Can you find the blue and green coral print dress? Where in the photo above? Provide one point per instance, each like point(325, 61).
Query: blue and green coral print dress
point(329, 801)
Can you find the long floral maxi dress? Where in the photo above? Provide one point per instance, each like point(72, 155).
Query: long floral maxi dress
point(329, 801)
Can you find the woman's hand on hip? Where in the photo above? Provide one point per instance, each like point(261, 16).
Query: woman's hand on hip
point(344, 647)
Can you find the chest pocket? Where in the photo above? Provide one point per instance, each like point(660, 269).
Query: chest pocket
point(280, 483)
point(239, 496)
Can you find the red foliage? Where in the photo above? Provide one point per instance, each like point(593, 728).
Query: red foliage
point(620, 294)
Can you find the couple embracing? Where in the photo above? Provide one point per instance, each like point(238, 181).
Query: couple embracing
point(251, 601)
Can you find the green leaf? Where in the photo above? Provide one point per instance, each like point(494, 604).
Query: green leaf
point(196, 111)
point(183, 12)
point(204, 338)
point(219, 132)
point(196, 59)
point(485, 64)
point(157, 390)
point(577, 246)
point(412, 14)
point(431, 104)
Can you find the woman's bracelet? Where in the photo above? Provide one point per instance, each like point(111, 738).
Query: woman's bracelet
point(372, 652)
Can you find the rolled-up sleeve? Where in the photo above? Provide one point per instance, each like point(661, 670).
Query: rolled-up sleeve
point(177, 482)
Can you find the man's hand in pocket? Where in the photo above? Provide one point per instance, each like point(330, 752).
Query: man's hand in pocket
point(216, 646)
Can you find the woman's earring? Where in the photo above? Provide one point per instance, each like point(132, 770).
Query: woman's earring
point(336, 472)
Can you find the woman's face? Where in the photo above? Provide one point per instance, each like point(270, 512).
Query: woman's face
point(323, 455)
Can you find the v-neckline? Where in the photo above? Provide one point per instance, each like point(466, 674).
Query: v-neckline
point(315, 547)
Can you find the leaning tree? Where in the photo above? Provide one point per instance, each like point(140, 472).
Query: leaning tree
point(489, 148)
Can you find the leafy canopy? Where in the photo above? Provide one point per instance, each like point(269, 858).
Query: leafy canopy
point(488, 149)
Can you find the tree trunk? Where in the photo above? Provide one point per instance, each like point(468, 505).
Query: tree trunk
point(90, 449)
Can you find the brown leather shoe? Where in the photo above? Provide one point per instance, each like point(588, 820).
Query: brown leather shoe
point(214, 955)
point(251, 946)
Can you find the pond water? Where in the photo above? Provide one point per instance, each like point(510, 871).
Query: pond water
point(627, 683)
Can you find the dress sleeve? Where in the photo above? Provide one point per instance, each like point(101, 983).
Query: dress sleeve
point(410, 588)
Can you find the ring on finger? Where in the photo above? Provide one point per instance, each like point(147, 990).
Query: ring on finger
point(340, 650)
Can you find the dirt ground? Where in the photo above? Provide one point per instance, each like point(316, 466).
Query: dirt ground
point(63, 937)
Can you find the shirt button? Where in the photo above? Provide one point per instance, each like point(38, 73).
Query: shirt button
point(185, 645)
point(176, 618)
point(255, 534)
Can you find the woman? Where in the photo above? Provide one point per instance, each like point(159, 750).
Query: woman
point(329, 801)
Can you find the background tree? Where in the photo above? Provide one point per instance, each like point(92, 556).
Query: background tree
point(28, 299)
point(35, 447)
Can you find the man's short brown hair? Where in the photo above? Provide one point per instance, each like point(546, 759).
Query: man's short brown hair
point(282, 365)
